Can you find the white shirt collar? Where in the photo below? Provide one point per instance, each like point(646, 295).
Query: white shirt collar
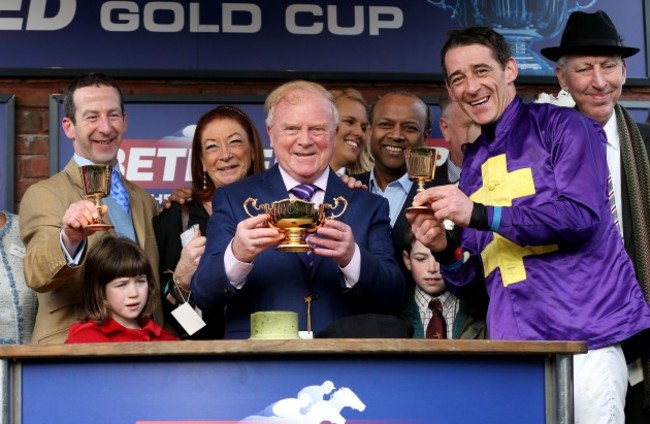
point(611, 130)
point(404, 181)
point(290, 182)
point(81, 161)
point(342, 170)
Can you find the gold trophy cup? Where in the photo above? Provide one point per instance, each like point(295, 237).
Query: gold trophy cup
point(96, 180)
point(421, 166)
point(296, 218)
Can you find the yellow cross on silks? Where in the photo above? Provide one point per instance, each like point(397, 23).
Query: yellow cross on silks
point(499, 188)
point(509, 258)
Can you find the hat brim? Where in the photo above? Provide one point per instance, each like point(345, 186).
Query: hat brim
point(555, 53)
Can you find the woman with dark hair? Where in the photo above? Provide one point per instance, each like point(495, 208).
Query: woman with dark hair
point(119, 296)
point(226, 147)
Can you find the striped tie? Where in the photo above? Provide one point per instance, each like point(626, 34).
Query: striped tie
point(305, 192)
point(612, 203)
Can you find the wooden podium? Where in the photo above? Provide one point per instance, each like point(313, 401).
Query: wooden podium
point(397, 380)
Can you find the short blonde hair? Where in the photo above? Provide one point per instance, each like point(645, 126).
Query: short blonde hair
point(352, 94)
point(289, 91)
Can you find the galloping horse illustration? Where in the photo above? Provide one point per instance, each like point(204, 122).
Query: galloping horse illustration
point(345, 398)
point(313, 405)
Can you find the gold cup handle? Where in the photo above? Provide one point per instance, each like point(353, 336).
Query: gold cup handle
point(337, 201)
point(253, 202)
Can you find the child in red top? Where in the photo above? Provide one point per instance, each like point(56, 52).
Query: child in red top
point(119, 292)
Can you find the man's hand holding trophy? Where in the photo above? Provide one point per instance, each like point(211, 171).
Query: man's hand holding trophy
point(421, 166)
point(96, 180)
point(296, 218)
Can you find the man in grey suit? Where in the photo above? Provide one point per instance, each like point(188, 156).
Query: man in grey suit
point(54, 213)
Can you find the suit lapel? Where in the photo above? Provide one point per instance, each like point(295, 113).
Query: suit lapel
point(137, 210)
point(72, 171)
point(335, 188)
point(399, 228)
point(273, 186)
point(626, 215)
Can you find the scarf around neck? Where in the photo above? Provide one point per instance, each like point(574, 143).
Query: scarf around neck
point(637, 173)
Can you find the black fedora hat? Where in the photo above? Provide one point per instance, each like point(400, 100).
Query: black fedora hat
point(589, 33)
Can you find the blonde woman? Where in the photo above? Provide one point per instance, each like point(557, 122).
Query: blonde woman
point(351, 151)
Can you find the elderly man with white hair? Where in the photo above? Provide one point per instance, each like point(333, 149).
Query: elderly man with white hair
point(591, 67)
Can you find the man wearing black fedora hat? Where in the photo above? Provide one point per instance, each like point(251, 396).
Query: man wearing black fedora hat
point(591, 67)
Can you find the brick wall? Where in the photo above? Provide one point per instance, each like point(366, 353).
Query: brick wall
point(32, 103)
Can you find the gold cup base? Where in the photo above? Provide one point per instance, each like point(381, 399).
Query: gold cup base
point(295, 248)
point(295, 219)
point(294, 241)
point(93, 228)
point(418, 208)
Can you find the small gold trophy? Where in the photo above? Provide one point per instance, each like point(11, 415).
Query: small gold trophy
point(295, 218)
point(421, 166)
point(96, 180)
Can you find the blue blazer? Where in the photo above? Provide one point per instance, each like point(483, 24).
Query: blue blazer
point(281, 280)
